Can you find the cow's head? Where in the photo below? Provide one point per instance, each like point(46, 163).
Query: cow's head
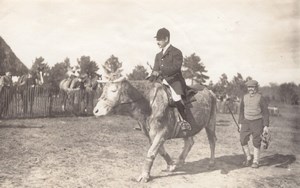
point(111, 97)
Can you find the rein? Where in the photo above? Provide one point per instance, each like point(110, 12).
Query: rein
point(132, 101)
point(156, 91)
point(129, 102)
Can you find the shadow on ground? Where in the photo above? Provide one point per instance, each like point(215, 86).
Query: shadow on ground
point(280, 161)
point(228, 163)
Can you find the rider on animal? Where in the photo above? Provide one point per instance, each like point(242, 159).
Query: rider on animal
point(167, 67)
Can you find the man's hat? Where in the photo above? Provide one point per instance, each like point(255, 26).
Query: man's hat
point(162, 34)
point(251, 83)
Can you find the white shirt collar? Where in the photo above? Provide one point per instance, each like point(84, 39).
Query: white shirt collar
point(166, 47)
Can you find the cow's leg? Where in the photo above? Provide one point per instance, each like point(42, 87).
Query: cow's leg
point(162, 152)
point(170, 163)
point(157, 141)
point(188, 144)
point(212, 144)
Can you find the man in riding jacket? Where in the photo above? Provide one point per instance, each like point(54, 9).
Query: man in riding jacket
point(253, 120)
point(27, 80)
point(6, 80)
point(167, 65)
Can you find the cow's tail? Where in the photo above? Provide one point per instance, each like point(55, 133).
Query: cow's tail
point(211, 127)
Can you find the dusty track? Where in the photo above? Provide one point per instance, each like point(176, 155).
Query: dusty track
point(107, 152)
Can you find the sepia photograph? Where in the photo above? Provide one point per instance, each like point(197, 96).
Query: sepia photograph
point(150, 93)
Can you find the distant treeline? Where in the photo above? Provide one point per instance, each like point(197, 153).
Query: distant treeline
point(193, 70)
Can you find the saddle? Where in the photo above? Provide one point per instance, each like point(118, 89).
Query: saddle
point(181, 125)
point(187, 99)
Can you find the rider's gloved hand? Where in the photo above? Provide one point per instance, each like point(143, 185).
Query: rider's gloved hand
point(155, 73)
point(152, 78)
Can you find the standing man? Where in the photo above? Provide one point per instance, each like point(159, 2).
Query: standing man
point(167, 65)
point(6, 80)
point(6, 84)
point(253, 120)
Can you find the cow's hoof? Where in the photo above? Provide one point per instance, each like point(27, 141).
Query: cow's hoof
point(144, 178)
point(211, 164)
point(170, 168)
point(174, 166)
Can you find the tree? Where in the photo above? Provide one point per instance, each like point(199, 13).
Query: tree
point(194, 69)
point(112, 68)
point(39, 65)
point(57, 73)
point(210, 85)
point(138, 73)
point(87, 66)
point(248, 78)
point(237, 87)
point(220, 88)
point(272, 84)
point(287, 93)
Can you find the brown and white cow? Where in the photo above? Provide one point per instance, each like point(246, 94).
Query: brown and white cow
point(148, 103)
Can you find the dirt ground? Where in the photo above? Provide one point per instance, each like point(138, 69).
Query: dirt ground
point(108, 152)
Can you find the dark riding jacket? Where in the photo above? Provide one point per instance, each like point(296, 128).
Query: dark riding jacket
point(26, 81)
point(169, 66)
point(6, 81)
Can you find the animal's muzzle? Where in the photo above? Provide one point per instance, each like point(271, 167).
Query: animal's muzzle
point(95, 111)
point(100, 109)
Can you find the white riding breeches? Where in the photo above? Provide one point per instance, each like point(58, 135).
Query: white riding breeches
point(175, 96)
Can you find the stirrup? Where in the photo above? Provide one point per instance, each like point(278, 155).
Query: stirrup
point(184, 125)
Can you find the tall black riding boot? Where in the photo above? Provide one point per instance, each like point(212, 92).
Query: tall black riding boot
point(185, 125)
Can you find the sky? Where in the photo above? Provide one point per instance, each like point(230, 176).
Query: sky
point(253, 37)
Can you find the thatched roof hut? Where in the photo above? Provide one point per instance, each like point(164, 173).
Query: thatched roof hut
point(9, 61)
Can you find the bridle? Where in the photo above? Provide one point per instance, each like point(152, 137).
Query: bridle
point(127, 102)
point(134, 101)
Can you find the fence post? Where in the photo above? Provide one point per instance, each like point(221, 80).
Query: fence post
point(50, 103)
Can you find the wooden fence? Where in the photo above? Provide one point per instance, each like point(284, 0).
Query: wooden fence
point(16, 104)
point(40, 102)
